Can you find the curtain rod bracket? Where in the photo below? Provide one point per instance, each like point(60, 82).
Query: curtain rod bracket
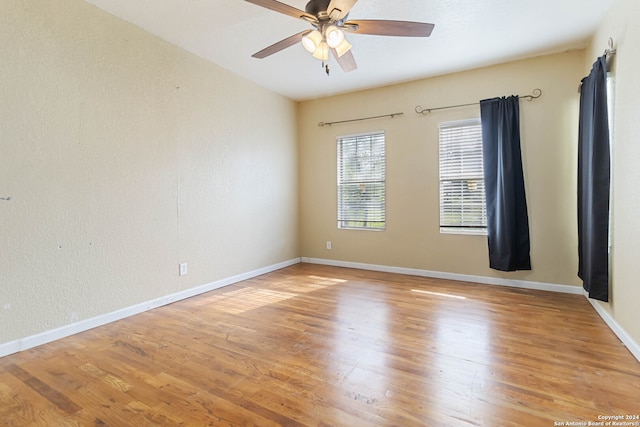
point(537, 93)
point(610, 50)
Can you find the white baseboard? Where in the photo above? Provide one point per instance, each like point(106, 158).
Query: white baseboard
point(626, 339)
point(65, 331)
point(566, 289)
point(84, 325)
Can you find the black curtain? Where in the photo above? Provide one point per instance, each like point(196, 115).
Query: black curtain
point(507, 218)
point(593, 183)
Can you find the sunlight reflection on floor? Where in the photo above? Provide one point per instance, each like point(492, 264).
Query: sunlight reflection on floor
point(250, 298)
point(241, 300)
point(437, 294)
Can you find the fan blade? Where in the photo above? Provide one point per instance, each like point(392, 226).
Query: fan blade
point(341, 8)
point(281, 45)
point(390, 28)
point(347, 61)
point(282, 8)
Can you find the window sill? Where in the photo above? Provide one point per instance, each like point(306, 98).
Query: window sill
point(464, 231)
point(361, 229)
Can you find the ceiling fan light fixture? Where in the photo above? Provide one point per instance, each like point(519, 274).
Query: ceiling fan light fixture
point(312, 41)
point(334, 36)
point(343, 48)
point(322, 51)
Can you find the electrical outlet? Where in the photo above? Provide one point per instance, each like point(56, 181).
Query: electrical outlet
point(328, 244)
point(183, 269)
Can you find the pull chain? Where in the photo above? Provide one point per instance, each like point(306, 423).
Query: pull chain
point(326, 67)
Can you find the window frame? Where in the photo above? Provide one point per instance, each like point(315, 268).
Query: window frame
point(611, 104)
point(476, 174)
point(375, 181)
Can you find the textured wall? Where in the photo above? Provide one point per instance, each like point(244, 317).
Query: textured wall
point(122, 156)
point(621, 24)
point(412, 238)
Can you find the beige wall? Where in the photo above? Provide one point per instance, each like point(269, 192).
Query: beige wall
point(622, 24)
point(123, 156)
point(412, 238)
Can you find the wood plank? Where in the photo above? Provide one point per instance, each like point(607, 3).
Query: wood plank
point(44, 390)
point(315, 345)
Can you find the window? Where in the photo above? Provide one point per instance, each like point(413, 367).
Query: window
point(462, 197)
point(361, 181)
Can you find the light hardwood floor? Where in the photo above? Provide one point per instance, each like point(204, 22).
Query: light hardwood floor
point(313, 345)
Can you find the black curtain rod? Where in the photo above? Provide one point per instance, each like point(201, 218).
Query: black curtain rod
point(392, 115)
point(537, 93)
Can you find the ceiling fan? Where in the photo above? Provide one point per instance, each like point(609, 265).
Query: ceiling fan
point(329, 18)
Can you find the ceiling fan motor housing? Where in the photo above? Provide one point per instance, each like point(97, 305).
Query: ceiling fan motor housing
point(315, 7)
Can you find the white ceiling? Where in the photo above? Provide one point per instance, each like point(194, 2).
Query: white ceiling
point(467, 34)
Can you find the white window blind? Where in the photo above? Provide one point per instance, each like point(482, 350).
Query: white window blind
point(361, 181)
point(462, 196)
